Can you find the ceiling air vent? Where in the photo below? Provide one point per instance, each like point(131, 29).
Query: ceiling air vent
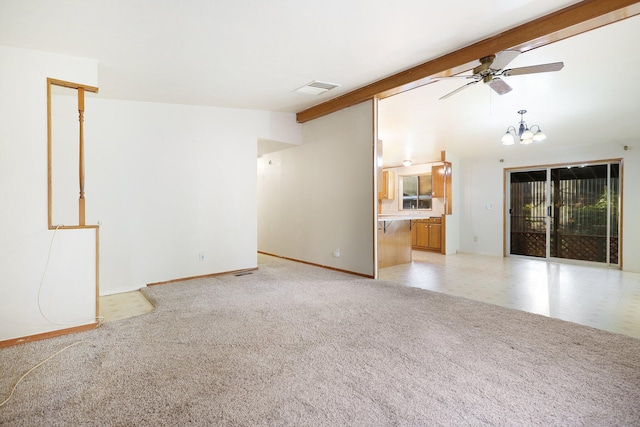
point(316, 87)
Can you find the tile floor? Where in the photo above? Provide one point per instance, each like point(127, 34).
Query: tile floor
point(124, 305)
point(600, 297)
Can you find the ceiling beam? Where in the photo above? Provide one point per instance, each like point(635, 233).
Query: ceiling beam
point(576, 19)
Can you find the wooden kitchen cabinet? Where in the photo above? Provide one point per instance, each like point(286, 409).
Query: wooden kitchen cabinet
point(386, 187)
point(435, 235)
point(426, 234)
point(437, 181)
point(441, 184)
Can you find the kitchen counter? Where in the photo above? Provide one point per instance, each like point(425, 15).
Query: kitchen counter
point(404, 217)
point(395, 238)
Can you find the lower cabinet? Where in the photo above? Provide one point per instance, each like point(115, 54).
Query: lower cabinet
point(426, 234)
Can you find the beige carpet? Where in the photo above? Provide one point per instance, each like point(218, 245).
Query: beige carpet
point(296, 345)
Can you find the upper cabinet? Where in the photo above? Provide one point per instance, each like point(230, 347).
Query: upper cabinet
point(386, 179)
point(437, 177)
point(441, 184)
point(386, 186)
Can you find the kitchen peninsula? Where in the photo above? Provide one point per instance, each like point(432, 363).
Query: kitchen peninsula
point(398, 234)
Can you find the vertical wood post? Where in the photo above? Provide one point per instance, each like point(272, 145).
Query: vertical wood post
point(49, 157)
point(81, 211)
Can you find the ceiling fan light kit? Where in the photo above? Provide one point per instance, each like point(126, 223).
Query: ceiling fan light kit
point(523, 134)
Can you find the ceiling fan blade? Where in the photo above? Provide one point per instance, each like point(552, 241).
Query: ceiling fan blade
point(499, 86)
point(503, 58)
point(543, 68)
point(459, 89)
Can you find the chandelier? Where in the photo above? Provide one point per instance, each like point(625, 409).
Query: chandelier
point(523, 134)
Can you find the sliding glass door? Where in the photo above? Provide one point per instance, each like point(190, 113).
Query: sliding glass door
point(528, 213)
point(569, 212)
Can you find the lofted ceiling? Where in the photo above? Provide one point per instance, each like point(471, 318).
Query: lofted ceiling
point(593, 99)
point(253, 54)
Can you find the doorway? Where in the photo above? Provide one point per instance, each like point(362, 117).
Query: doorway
point(567, 212)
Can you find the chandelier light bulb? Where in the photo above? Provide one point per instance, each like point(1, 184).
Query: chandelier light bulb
point(508, 139)
point(538, 136)
point(527, 134)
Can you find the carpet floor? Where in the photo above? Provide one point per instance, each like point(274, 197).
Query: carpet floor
point(296, 345)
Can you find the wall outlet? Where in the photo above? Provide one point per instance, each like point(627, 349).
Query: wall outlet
point(201, 256)
point(475, 238)
point(336, 253)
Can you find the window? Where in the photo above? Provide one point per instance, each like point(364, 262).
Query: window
point(416, 192)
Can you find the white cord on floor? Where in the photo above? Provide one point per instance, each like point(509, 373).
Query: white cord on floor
point(46, 267)
point(45, 360)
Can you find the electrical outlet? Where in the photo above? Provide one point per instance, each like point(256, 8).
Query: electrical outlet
point(201, 256)
point(475, 238)
point(336, 253)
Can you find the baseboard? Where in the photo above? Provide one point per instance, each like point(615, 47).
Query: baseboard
point(46, 335)
point(204, 276)
point(318, 265)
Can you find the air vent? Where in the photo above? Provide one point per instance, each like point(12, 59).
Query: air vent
point(316, 87)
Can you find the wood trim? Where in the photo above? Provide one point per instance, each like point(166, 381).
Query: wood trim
point(46, 335)
point(504, 210)
point(377, 204)
point(81, 200)
point(576, 19)
point(621, 219)
point(559, 165)
point(204, 276)
point(73, 227)
point(318, 265)
point(443, 237)
point(97, 271)
point(49, 158)
point(71, 85)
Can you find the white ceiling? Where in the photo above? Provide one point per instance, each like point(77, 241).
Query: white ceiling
point(253, 54)
point(594, 98)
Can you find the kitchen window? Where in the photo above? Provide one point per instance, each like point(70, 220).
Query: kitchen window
point(416, 192)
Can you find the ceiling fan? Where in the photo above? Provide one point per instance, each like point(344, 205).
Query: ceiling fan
point(491, 70)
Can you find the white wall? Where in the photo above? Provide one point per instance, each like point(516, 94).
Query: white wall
point(31, 301)
point(167, 182)
point(319, 197)
point(483, 185)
